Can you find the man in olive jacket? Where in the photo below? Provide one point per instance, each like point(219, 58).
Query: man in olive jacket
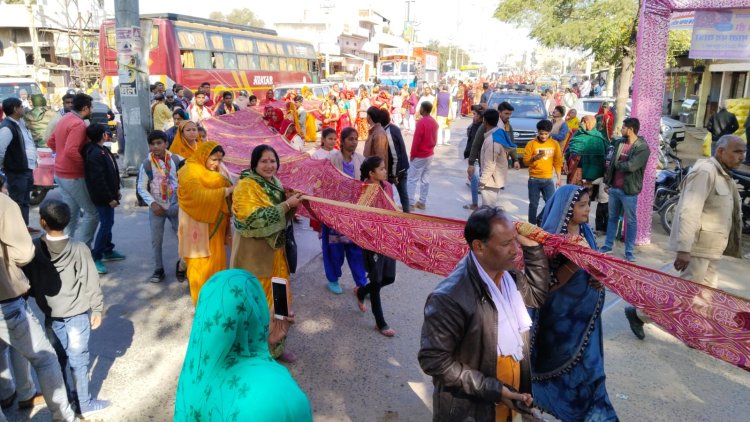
point(624, 178)
point(464, 343)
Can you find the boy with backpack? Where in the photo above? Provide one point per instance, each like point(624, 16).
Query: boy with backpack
point(65, 283)
point(103, 185)
point(157, 188)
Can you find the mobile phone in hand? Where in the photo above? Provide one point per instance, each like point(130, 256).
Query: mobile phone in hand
point(279, 292)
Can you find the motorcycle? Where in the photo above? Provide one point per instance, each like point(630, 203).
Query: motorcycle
point(44, 176)
point(668, 181)
point(742, 178)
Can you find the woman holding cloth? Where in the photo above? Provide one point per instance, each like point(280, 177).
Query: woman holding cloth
point(202, 194)
point(567, 354)
point(262, 211)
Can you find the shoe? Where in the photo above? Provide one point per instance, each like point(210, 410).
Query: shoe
point(387, 331)
point(157, 276)
point(180, 274)
point(113, 256)
point(334, 287)
point(6, 403)
point(288, 356)
point(630, 258)
point(605, 250)
point(100, 267)
point(34, 401)
point(94, 407)
point(33, 230)
point(419, 205)
point(471, 207)
point(636, 325)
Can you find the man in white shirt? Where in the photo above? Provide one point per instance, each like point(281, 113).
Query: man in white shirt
point(200, 110)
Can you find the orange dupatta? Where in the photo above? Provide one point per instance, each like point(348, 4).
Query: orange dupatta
point(181, 147)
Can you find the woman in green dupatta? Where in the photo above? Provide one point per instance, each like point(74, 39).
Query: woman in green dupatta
point(262, 212)
point(228, 373)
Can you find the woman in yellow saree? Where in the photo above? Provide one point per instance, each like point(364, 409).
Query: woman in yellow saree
point(186, 140)
point(262, 212)
point(202, 195)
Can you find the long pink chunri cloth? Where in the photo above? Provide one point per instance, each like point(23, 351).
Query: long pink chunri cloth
point(704, 318)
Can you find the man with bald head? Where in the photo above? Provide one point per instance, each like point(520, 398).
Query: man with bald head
point(588, 147)
point(707, 221)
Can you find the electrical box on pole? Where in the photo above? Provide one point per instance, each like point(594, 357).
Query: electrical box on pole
point(133, 38)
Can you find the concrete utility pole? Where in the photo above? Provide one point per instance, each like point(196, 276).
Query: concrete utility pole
point(132, 58)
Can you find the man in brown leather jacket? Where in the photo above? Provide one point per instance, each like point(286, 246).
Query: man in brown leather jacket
point(476, 323)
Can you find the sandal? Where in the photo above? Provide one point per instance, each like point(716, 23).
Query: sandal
point(361, 305)
point(387, 331)
point(470, 207)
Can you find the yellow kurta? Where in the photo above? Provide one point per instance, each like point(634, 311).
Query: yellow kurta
point(508, 372)
point(201, 196)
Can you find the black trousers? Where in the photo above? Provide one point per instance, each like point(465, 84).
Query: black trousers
point(381, 271)
point(19, 189)
point(403, 194)
point(602, 217)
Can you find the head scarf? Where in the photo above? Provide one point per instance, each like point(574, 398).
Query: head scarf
point(277, 119)
point(559, 210)
point(180, 145)
point(228, 369)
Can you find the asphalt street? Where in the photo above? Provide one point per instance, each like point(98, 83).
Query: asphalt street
point(348, 370)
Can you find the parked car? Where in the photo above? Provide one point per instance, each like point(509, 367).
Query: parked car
point(11, 87)
point(529, 110)
point(319, 90)
point(671, 130)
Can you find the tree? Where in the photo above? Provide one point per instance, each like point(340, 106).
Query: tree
point(605, 27)
point(445, 53)
point(242, 16)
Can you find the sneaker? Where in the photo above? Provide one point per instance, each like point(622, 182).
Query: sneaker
point(100, 267)
point(36, 400)
point(8, 402)
point(113, 256)
point(335, 288)
point(93, 407)
point(157, 276)
point(605, 250)
point(630, 258)
point(419, 205)
point(181, 274)
point(636, 324)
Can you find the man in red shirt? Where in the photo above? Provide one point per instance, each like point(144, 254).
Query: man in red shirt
point(422, 150)
point(67, 141)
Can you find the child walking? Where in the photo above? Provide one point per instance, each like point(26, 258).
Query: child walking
point(103, 184)
point(381, 270)
point(71, 299)
point(157, 186)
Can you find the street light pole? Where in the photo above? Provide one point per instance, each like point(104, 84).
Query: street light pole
point(133, 83)
point(411, 41)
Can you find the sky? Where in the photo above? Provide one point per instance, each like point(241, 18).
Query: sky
point(467, 23)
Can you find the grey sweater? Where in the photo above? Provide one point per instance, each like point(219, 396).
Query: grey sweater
point(79, 289)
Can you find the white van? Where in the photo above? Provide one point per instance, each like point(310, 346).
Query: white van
point(11, 87)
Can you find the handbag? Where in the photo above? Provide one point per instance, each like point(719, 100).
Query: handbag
point(291, 249)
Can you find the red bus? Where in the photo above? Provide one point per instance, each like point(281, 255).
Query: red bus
point(190, 51)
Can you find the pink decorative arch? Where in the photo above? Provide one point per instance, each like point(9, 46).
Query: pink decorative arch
point(648, 86)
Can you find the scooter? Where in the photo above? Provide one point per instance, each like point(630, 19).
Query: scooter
point(44, 176)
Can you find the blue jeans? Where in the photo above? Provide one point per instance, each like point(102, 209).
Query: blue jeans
point(621, 204)
point(537, 187)
point(474, 183)
point(20, 329)
point(70, 337)
point(75, 194)
point(333, 259)
point(20, 380)
point(157, 232)
point(103, 242)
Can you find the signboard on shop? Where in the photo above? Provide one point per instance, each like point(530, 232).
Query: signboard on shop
point(721, 34)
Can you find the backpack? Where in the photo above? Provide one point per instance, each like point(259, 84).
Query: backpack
point(44, 280)
point(150, 175)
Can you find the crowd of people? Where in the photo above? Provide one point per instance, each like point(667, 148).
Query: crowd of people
point(496, 341)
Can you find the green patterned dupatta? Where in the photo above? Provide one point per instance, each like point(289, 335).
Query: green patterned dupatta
point(266, 222)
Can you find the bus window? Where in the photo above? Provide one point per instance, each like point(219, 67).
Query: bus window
point(230, 61)
point(386, 67)
point(111, 41)
point(203, 60)
point(283, 64)
point(217, 41)
point(243, 45)
point(187, 58)
point(264, 63)
point(412, 67)
point(273, 63)
point(228, 43)
point(264, 47)
point(192, 39)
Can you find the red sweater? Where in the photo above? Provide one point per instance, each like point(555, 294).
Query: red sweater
point(67, 141)
point(425, 138)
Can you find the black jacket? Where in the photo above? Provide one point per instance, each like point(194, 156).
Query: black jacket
point(459, 339)
point(15, 156)
point(102, 174)
point(471, 132)
point(400, 151)
point(722, 123)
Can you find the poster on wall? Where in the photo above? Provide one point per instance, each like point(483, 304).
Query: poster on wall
point(721, 34)
point(129, 47)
